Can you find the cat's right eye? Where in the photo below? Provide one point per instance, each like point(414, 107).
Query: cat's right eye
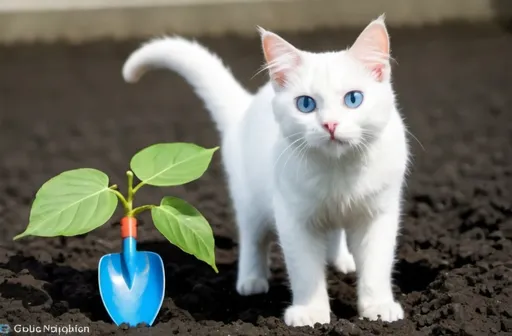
point(306, 104)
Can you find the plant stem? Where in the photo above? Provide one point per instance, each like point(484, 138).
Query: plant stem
point(121, 198)
point(140, 185)
point(129, 211)
point(129, 200)
point(142, 208)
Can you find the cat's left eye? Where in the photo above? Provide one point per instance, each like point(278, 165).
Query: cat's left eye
point(353, 99)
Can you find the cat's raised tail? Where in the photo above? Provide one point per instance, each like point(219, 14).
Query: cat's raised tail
point(212, 81)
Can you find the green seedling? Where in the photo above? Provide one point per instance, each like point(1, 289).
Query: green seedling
point(78, 201)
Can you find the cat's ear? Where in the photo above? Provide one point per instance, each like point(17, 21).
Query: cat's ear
point(280, 56)
point(372, 49)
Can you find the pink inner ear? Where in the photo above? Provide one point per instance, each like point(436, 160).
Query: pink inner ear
point(280, 57)
point(269, 50)
point(378, 72)
point(270, 47)
point(372, 49)
point(380, 37)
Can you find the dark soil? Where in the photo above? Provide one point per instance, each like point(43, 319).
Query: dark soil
point(64, 107)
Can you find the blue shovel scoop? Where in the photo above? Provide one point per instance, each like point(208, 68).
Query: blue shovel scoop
point(132, 283)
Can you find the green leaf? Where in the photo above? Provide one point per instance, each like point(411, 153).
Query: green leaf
point(184, 226)
point(72, 203)
point(171, 164)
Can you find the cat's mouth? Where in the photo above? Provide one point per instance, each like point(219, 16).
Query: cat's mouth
point(341, 142)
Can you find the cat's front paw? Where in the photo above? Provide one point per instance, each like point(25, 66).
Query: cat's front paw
point(252, 286)
point(388, 311)
point(345, 263)
point(298, 316)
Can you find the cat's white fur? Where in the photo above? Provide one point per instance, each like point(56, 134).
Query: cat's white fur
point(325, 198)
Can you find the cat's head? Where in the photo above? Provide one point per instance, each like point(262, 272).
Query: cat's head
point(335, 101)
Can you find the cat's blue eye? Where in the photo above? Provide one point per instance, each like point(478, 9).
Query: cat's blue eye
point(353, 99)
point(306, 104)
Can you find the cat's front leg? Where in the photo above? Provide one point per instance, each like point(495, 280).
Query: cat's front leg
point(305, 254)
point(372, 242)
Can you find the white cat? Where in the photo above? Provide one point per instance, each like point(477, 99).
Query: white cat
point(320, 151)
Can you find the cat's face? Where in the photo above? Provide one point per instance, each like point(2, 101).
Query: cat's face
point(336, 101)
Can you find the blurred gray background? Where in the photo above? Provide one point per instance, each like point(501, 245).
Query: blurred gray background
point(25, 20)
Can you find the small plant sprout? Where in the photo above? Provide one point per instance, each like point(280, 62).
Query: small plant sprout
point(78, 201)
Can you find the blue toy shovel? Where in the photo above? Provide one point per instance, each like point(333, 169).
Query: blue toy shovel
point(132, 283)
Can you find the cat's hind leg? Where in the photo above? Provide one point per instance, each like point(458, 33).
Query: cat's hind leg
point(254, 243)
point(338, 254)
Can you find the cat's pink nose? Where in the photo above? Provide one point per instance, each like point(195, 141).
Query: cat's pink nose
point(331, 127)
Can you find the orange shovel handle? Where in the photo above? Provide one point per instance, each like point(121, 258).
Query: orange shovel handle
point(128, 227)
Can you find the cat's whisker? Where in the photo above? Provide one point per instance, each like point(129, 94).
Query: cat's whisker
point(289, 156)
point(298, 166)
point(414, 137)
point(367, 137)
point(319, 137)
point(284, 150)
point(290, 136)
point(302, 156)
point(363, 151)
point(306, 158)
point(358, 148)
point(364, 143)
